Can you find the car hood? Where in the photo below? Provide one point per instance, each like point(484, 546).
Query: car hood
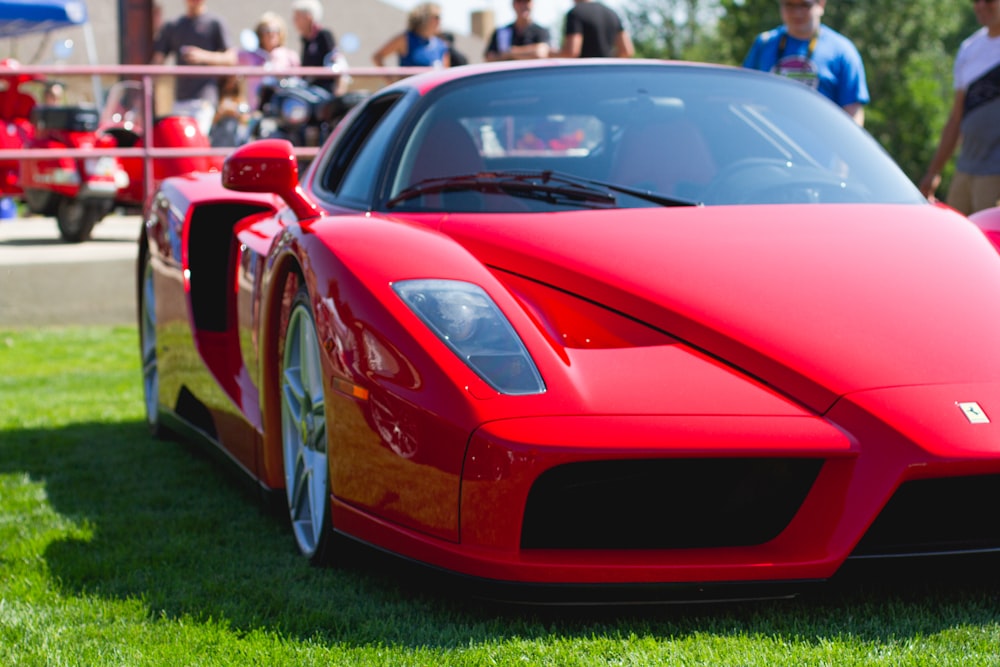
point(817, 301)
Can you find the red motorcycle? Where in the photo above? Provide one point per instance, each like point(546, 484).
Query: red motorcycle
point(77, 192)
point(80, 192)
point(16, 129)
point(123, 122)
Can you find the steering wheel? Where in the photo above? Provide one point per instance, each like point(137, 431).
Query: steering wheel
point(776, 181)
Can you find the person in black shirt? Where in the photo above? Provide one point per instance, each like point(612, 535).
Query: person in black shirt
point(318, 43)
point(457, 57)
point(195, 38)
point(522, 39)
point(594, 31)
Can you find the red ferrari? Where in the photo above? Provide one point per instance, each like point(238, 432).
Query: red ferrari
point(587, 326)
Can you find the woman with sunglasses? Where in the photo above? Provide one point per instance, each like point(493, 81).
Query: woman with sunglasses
point(271, 53)
point(420, 45)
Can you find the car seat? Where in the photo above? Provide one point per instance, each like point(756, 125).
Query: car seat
point(447, 150)
point(668, 157)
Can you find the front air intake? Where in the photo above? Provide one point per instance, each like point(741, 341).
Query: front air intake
point(933, 516)
point(665, 503)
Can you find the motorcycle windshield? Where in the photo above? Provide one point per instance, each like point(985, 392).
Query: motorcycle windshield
point(124, 106)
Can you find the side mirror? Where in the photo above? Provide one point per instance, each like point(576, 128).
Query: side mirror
point(268, 166)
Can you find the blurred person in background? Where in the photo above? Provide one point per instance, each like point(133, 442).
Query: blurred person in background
point(55, 94)
point(974, 120)
point(455, 57)
point(813, 54)
point(195, 38)
point(271, 53)
point(420, 45)
point(593, 30)
point(522, 39)
point(230, 127)
point(318, 43)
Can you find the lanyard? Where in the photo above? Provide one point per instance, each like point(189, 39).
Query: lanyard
point(784, 43)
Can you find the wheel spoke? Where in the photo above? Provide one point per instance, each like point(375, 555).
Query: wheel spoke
point(299, 503)
point(150, 362)
point(317, 431)
point(309, 364)
point(317, 492)
point(294, 395)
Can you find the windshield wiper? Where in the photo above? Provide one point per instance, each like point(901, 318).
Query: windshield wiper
point(562, 177)
point(546, 185)
point(533, 186)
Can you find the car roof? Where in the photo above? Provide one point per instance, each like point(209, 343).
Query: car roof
point(427, 81)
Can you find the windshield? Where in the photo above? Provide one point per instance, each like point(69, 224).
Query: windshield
point(685, 134)
point(123, 107)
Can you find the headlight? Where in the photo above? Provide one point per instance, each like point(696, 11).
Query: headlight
point(464, 317)
point(294, 111)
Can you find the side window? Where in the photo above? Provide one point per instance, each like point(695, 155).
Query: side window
point(354, 139)
point(363, 172)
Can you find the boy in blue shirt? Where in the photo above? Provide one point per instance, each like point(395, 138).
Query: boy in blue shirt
point(814, 54)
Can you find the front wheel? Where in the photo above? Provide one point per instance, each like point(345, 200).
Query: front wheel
point(148, 350)
point(76, 219)
point(304, 435)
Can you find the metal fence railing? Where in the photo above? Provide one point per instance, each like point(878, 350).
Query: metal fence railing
point(147, 74)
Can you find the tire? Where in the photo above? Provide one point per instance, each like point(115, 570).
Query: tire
point(304, 436)
point(41, 202)
point(76, 220)
point(148, 350)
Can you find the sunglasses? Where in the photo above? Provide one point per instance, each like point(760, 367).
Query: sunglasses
point(791, 6)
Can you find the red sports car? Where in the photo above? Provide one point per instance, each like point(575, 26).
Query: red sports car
point(607, 324)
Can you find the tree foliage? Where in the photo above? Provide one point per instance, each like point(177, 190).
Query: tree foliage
point(740, 23)
point(669, 29)
point(908, 49)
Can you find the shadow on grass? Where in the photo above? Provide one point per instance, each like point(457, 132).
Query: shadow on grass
point(173, 528)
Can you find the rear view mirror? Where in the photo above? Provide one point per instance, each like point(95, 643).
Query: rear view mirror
point(268, 166)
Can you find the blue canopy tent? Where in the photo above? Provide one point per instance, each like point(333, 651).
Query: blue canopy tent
point(25, 17)
point(22, 17)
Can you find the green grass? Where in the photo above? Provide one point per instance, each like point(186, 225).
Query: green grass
point(116, 549)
